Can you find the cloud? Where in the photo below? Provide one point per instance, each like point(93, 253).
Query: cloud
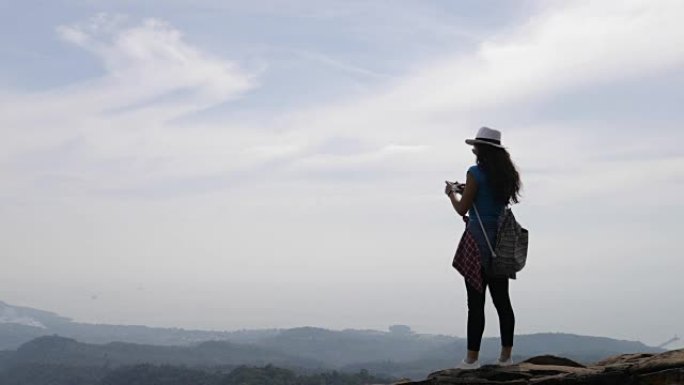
point(146, 67)
point(564, 48)
point(151, 59)
point(579, 44)
point(151, 77)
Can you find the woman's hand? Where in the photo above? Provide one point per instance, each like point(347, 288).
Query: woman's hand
point(453, 187)
point(449, 188)
point(467, 192)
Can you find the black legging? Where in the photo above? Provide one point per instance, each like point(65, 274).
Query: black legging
point(498, 287)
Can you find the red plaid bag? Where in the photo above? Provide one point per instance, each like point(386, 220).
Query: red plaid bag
point(467, 261)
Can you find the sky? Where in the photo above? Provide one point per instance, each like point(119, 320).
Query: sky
point(274, 164)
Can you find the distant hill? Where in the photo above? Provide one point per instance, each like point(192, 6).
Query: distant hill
point(318, 350)
point(55, 350)
point(27, 316)
point(351, 346)
point(28, 335)
point(19, 325)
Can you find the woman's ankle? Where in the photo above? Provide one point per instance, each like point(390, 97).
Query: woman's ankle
point(506, 352)
point(473, 355)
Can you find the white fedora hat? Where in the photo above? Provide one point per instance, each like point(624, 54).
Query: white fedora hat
point(488, 136)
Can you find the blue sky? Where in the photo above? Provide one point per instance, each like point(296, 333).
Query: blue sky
point(278, 164)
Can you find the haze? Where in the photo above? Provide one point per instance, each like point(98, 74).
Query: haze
point(225, 165)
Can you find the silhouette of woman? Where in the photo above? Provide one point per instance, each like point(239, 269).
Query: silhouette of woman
point(491, 184)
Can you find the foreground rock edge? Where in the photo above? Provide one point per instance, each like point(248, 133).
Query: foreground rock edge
point(641, 368)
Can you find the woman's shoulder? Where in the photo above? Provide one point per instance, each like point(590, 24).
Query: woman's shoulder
point(475, 170)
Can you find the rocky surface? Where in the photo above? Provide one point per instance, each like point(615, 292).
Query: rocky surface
point(627, 369)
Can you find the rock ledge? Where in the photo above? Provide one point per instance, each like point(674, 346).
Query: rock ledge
point(627, 369)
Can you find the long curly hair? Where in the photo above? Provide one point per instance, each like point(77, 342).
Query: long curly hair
point(502, 174)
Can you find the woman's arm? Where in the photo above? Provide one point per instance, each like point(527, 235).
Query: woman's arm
point(463, 205)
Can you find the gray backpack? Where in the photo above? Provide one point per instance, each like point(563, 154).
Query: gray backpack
point(510, 254)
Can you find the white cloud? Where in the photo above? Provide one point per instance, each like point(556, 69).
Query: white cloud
point(126, 113)
point(150, 60)
point(579, 44)
point(151, 77)
point(574, 46)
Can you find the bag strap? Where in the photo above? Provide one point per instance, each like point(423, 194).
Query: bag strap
point(483, 231)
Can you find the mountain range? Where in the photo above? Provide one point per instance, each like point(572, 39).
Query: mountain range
point(35, 337)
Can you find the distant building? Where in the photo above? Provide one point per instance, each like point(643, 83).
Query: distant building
point(400, 329)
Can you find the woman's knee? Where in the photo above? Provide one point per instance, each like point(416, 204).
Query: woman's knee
point(476, 302)
point(503, 307)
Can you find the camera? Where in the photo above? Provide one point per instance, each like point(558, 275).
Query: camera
point(456, 187)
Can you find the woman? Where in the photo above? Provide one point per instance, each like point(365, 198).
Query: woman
point(490, 185)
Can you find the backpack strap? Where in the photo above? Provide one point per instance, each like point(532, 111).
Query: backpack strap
point(483, 231)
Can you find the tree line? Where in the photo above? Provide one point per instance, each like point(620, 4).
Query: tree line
point(147, 374)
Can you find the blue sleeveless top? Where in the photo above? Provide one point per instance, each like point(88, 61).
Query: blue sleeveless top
point(487, 206)
point(489, 210)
